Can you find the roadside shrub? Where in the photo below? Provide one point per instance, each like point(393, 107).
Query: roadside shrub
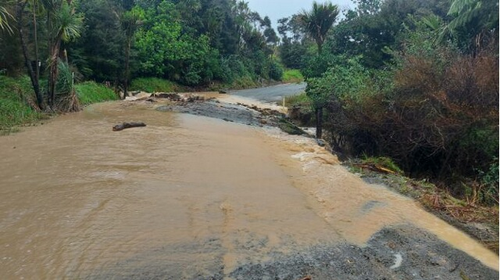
point(490, 180)
point(191, 76)
point(233, 69)
point(275, 71)
point(450, 114)
point(226, 73)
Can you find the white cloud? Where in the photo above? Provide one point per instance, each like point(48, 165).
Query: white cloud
point(276, 9)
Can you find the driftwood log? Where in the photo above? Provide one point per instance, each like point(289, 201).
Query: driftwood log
point(375, 167)
point(125, 125)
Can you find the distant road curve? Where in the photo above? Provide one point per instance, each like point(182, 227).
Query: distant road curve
point(272, 93)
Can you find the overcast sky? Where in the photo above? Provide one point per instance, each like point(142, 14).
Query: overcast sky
point(276, 9)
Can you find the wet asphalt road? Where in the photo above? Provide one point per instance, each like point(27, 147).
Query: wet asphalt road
point(271, 94)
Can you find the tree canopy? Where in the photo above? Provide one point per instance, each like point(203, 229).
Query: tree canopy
point(194, 43)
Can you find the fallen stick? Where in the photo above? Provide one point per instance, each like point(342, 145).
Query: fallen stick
point(125, 125)
point(375, 167)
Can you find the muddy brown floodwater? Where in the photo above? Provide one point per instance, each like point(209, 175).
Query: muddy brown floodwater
point(197, 195)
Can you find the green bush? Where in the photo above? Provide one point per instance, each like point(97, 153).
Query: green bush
point(275, 71)
point(154, 85)
point(315, 65)
point(92, 92)
point(347, 82)
point(490, 181)
point(434, 111)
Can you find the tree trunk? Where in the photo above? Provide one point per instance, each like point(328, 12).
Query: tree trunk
point(35, 35)
point(33, 77)
point(53, 72)
point(54, 68)
point(319, 122)
point(127, 69)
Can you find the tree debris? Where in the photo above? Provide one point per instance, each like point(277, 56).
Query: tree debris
point(125, 125)
point(375, 167)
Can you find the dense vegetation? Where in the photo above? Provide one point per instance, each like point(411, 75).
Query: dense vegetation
point(416, 81)
point(196, 43)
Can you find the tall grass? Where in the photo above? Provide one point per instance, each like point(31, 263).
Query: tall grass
point(15, 97)
point(298, 100)
point(91, 92)
point(292, 76)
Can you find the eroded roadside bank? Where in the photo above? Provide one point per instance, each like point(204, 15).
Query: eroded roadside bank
point(190, 197)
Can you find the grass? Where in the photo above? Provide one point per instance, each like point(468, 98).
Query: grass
point(301, 100)
point(92, 92)
point(154, 85)
point(15, 97)
point(292, 76)
point(300, 109)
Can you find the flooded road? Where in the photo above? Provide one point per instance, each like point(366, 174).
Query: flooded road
point(186, 197)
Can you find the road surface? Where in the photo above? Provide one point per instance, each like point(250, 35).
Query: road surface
point(271, 94)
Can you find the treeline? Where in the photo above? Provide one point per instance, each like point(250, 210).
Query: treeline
point(416, 81)
point(191, 42)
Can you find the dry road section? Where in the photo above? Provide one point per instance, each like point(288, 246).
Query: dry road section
point(193, 197)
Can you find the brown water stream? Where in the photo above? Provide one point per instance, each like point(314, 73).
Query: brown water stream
point(81, 201)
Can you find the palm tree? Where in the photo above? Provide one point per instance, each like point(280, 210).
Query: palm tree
point(478, 18)
point(318, 21)
point(64, 26)
point(4, 17)
point(483, 13)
